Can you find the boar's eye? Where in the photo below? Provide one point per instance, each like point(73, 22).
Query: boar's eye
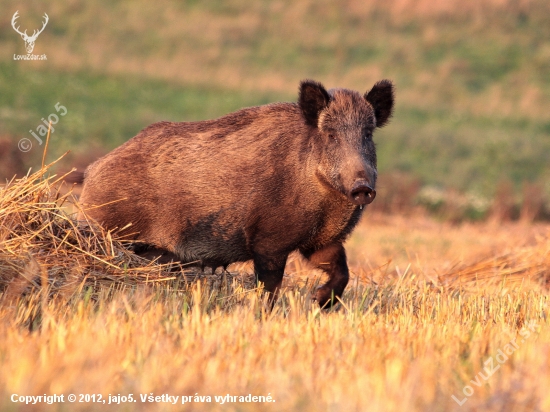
point(332, 136)
point(368, 135)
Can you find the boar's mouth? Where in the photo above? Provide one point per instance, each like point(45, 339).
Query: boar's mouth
point(362, 194)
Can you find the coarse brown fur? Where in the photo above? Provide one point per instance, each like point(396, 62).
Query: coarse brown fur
point(255, 184)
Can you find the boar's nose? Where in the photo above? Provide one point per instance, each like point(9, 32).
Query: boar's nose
point(361, 193)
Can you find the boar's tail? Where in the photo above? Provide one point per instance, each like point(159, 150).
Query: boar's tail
point(75, 177)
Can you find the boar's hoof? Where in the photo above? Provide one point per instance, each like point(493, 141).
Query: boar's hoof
point(362, 193)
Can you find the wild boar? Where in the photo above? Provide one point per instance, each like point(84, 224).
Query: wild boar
point(256, 184)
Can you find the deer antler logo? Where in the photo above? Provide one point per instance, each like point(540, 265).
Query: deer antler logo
point(29, 40)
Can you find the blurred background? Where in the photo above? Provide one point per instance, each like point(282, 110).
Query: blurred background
point(470, 137)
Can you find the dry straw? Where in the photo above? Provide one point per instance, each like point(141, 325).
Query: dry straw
point(525, 265)
point(42, 244)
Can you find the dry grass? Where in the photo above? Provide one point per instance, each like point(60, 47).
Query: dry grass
point(434, 248)
point(399, 341)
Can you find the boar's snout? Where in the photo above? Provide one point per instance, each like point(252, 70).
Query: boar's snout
point(361, 193)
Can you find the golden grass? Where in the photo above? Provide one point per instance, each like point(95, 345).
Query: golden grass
point(433, 248)
point(398, 341)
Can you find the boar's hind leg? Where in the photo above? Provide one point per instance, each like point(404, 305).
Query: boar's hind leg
point(270, 272)
point(163, 256)
point(332, 260)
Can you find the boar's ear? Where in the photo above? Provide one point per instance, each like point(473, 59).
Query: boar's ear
point(313, 98)
point(381, 98)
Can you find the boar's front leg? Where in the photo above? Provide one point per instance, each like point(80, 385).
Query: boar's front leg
point(270, 272)
point(332, 260)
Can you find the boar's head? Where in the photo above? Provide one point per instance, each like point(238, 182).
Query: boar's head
point(345, 122)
